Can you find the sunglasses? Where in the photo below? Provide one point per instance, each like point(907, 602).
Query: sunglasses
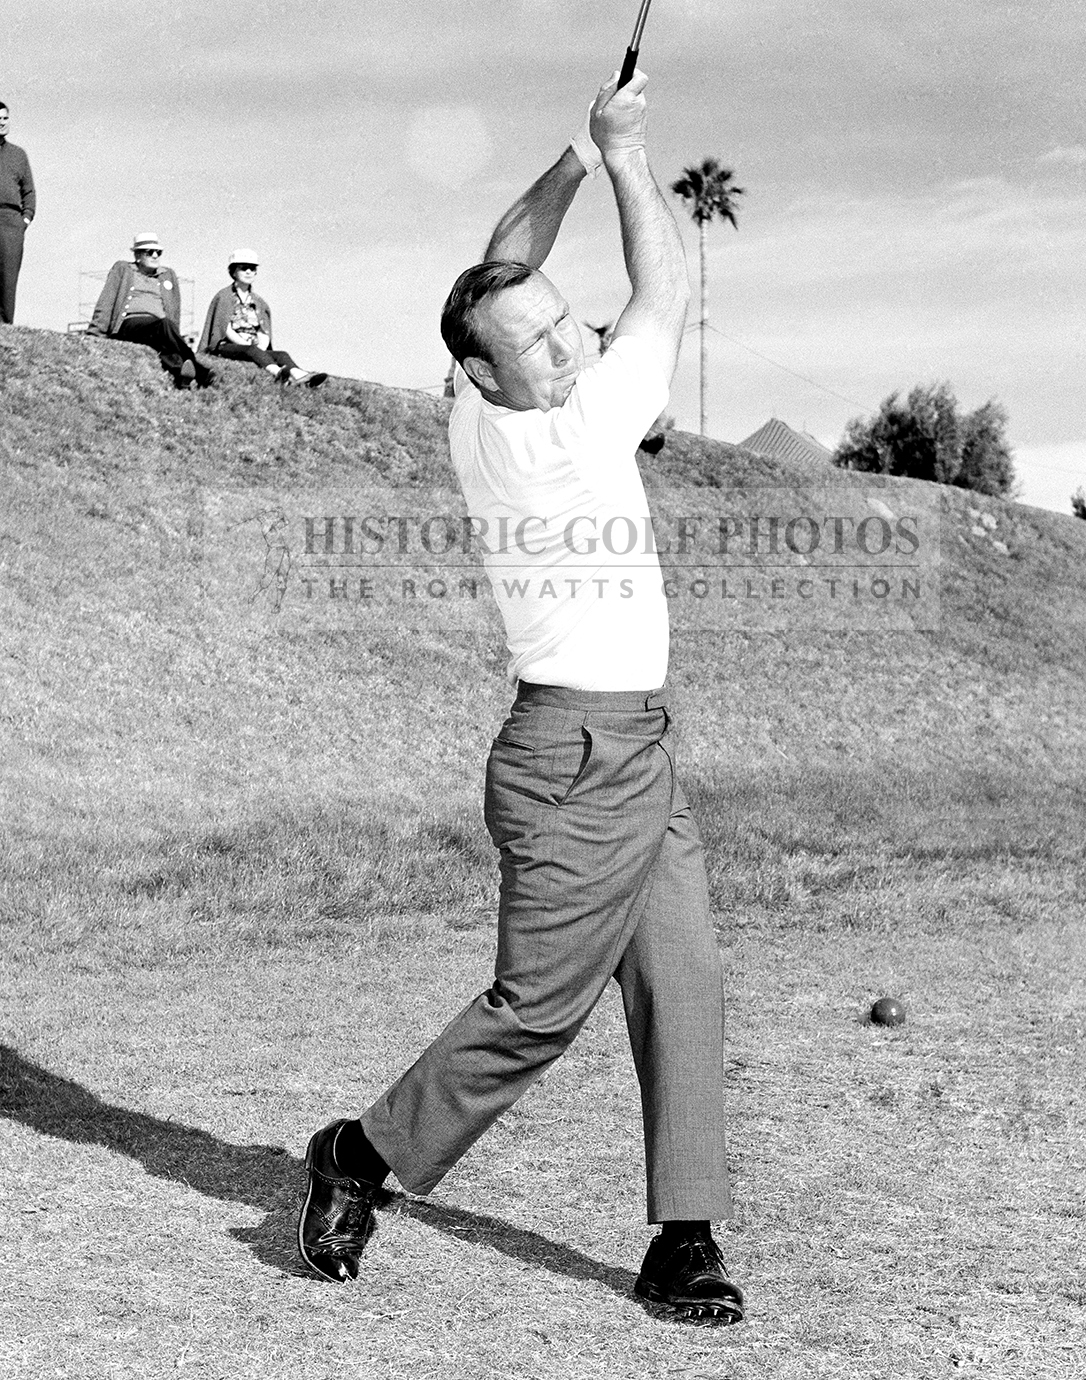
point(246, 268)
point(151, 253)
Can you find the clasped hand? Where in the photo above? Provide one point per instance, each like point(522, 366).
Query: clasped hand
point(619, 116)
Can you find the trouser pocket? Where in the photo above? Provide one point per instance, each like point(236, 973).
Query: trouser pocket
point(531, 766)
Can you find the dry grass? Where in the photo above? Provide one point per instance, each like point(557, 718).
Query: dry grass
point(909, 1202)
point(244, 876)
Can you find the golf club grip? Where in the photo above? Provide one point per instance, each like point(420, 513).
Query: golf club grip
point(628, 65)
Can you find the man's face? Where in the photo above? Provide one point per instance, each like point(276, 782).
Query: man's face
point(3, 120)
point(535, 347)
point(147, 260)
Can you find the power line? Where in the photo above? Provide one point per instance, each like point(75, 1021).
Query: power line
point(695, 325)
point(1055, 469)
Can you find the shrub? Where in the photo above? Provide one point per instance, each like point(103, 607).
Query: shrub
point(928, 437)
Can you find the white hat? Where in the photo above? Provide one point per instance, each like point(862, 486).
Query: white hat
point(242, 256)
point(147, 240)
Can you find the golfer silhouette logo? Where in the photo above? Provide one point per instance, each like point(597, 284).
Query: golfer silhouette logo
point(275, 576)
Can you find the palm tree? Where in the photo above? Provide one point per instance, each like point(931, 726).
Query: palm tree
point(710, 195)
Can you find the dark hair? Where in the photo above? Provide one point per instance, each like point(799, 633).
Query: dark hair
point(4, 106)
point(475, 284)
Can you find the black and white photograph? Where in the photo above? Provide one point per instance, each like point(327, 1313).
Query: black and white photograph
point(543, 690)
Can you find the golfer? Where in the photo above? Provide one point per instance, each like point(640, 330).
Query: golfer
point(602, 871)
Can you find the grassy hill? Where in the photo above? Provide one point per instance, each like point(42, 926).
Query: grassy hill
point(148, 690)
point(243, 874)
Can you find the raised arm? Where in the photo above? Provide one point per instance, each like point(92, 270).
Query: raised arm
point(651, 243)
point(528, 229)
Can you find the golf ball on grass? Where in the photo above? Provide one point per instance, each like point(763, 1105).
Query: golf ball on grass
point(888, 1011)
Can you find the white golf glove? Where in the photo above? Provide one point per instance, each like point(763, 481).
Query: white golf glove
point(585, 149)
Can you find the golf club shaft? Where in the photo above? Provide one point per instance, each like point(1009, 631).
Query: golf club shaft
point(630, 60)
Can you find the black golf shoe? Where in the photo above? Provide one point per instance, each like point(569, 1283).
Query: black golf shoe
point(337, 1217)
point(689, 1276)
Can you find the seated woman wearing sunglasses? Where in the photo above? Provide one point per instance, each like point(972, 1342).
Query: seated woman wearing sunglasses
point(141, 302)
point(238, 326)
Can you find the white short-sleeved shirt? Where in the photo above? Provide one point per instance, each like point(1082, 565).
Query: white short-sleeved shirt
point(564, 524)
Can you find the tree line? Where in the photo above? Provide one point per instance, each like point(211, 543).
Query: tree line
point(927, 435)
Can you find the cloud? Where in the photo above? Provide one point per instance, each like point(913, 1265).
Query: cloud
point(1073, 155)
point(957, 239)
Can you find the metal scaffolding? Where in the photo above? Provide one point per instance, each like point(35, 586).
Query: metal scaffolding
point(90, 285)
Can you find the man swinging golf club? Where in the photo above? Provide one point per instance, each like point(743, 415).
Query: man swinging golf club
point(602, 871)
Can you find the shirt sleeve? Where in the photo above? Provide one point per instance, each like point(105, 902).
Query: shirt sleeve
point(613, 402)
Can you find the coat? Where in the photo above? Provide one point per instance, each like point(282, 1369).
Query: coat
point(109, 309)
point(220, 310)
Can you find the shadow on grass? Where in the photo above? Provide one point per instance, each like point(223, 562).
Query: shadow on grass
point(265, 1177)
point(515, 1242)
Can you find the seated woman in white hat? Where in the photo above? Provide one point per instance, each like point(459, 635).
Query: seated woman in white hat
point(141, 302)
point(238, 325)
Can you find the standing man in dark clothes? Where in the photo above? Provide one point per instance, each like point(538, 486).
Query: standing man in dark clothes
point(141, 302)
point(17, 203)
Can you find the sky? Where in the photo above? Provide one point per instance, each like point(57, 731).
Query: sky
point(914, 178)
